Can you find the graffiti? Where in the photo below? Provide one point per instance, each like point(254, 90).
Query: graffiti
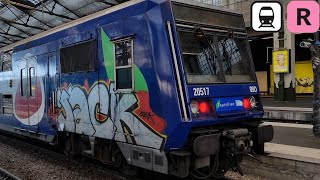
point(304, 82)
point(157, 123)
point(93, 109)
point(146, 115)
point(28, 110)
point(101, 112)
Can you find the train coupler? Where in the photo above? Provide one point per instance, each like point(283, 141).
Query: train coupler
point(235, 144)
point(237, 140)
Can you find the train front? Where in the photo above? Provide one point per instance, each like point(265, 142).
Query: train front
point(221, 99)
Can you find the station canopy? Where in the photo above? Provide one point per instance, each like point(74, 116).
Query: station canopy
point(20, 19)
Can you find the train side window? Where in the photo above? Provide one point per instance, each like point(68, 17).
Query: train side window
point(23, 76)
point(32, 86)
point(7, 105)
point(123, 64)
point(79, 58)
point(6, 61)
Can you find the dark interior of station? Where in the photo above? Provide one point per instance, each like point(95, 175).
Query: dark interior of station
point(262, 44)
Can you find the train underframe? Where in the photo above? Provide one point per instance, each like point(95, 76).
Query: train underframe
point(209, 152)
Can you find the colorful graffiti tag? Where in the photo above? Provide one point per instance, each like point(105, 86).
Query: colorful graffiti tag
point(101, 112)
point(29, 110)
point(96, 110)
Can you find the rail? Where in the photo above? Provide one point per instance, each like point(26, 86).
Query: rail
point(5, 175)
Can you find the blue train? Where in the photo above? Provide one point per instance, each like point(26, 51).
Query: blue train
point(166, 86)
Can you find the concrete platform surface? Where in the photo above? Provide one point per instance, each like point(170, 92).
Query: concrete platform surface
point(305, 102)
point(297, 153)
point(294, 134)
point(285, 162)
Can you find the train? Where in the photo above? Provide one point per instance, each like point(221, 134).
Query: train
point(166, 86)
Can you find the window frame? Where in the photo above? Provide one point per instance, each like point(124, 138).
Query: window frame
point(96, 61)
point(2, 61)
point(127, 39)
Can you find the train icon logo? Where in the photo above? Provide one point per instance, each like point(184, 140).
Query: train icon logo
point(266, 16)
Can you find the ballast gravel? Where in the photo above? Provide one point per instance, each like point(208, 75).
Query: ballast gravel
point(30, 162)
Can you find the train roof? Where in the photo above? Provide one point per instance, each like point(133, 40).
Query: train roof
point(205, 5)
point(102, 13)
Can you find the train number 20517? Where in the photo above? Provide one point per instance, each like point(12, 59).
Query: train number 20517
point(205, 91)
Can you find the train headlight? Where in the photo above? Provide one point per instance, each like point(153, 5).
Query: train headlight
point(202, 108)
point(253, 102)
point(194, 106)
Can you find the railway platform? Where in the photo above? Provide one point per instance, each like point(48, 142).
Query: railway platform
point(285, 162)
point(300, 110)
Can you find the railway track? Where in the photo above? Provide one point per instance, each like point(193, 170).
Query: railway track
point(5, 175)
point(43, 163)
point(30, 160)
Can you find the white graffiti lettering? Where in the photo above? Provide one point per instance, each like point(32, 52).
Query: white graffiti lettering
point(101, 112)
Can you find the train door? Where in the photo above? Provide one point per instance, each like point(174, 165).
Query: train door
point(52, 83)
point(29, 98)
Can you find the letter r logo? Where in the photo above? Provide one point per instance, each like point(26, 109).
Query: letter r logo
point(303, 16)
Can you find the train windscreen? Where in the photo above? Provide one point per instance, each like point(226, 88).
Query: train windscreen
point(200, 61)
point(215, 57)
point(235, 59)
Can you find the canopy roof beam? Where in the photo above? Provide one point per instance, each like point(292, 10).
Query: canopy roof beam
point(12, 35)
point(67, 8)
point(10, 25)
point(15, 4)
point(30, 15)
point(4, 43)
point(21, 24)
point(9, 39)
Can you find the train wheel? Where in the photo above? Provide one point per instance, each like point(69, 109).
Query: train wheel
point(120, 163)
point(67, 147)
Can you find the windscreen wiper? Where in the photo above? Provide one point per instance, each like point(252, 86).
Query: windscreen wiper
point(226, 55)
point(200, 32)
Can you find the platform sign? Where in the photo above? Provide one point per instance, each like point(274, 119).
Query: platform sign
point(280, 61)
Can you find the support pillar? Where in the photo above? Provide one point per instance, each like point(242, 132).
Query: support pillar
point(290, 79)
